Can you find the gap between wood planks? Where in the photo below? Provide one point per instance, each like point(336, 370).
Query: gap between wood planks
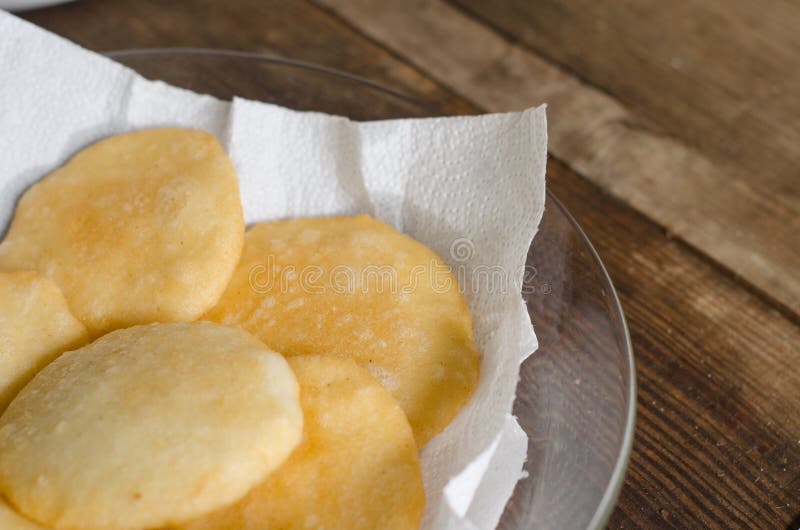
point(711, 207)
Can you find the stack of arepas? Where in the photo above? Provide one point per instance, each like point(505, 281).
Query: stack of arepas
point(162, 368)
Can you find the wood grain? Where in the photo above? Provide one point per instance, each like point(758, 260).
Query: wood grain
point(285, 29)
point(721, 75)
point(714, 203)
point(718, 434)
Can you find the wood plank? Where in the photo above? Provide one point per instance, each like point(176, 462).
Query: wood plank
point(717, 443)
point(295, 30)
point(709, 451)
point(722, 75)
point(715, 205)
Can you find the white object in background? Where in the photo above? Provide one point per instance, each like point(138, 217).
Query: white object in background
point(25, 5)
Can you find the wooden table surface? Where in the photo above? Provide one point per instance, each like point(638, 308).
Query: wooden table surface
point(674, 140)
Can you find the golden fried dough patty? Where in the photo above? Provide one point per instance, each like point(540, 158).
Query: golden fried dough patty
point(148, 426)
point(136, 228)
point(356, 468)
point(354, 286)
point(36, 326)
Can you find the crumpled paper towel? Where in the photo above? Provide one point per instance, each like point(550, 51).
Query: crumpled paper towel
point(471, 188)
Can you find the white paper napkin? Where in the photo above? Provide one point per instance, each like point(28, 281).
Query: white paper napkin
point(471, 188)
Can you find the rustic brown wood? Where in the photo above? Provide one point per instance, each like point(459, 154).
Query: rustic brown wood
point(722, 75)
point(718, 433)
point(730, 211)
point(272, 27)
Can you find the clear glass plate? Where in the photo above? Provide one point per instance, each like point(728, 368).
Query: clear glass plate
point(577, 394)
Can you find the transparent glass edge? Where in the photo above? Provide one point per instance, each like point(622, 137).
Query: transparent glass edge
point(274, 59)
point(611, 494)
